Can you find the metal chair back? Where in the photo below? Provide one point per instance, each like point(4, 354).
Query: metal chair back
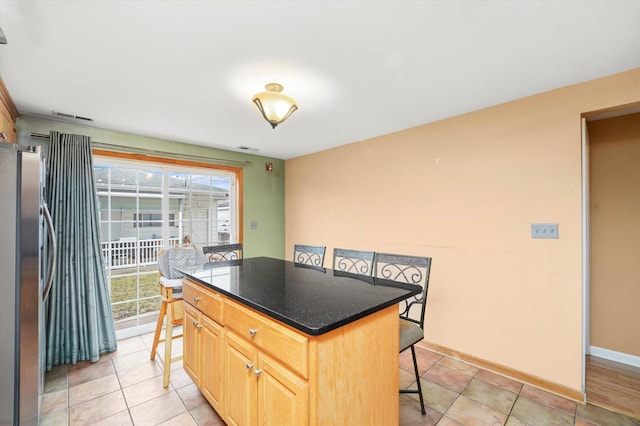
point(410, 270)
point(309, 255)
point(223, 253)
point(353, 261)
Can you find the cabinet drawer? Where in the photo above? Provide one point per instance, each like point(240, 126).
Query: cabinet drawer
point(206, 301)
point(288, 346)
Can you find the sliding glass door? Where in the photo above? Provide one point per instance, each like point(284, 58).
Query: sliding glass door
point(147, 207)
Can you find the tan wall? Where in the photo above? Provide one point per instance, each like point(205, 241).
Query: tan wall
point(465, 191)
point(614, 156)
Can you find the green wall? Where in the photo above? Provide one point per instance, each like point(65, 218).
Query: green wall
point(263, 194)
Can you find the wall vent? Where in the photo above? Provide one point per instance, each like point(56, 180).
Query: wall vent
point(66, 116)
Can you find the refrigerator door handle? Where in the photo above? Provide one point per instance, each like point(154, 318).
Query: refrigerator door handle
point(53, 253)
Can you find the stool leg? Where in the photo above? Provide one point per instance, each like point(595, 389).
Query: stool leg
point(167, 345)
point(156, 336)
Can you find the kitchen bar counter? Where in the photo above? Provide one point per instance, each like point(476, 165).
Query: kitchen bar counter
point(272, 343)
point(312, 300)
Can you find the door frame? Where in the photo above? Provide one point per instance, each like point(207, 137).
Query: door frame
point(586, 262)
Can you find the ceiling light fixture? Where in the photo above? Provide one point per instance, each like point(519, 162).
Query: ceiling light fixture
point(274, 106)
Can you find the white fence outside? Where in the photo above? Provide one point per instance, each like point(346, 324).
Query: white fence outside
point(125, 254)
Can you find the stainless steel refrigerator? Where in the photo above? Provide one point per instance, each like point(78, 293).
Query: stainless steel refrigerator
point(26, 257)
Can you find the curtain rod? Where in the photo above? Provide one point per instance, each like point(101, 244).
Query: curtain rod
point(145, 151)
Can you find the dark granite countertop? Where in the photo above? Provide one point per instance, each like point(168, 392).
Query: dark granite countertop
point(312, 300)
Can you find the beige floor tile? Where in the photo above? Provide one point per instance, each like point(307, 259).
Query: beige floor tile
point(97, 409)
point(123, 418)
point(459, 366)
point(191, 396)
point(537, 414)
point(90, 372)
point(145, 391)
point(469, 412)
point(435, 396)
point(406, 378)
point(158, 410)
point(56, 383)
point(485, 397)
point(184, 419)
point(59, 418)
point(427, 356)
point(583, 422)
point(406, 362)
point(512, 421)
point(603, 417)
point(410, 413)
point(129, 361)
point(498, 380)
point(206, 416)
point(450, 379)
point(139, 374)
point(148, 339)
point(54, 401)
point(490, 395)
point(549, 399)
point(425, 360)
point(57, 371)
point(129, 346)
point(179, 378)
point(93, 389)
point(448, 421)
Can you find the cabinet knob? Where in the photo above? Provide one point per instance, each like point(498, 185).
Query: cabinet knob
point(257, 372)
point(253, 331)
point(249, 366)
point(199, 326)
point(3, 136)
point(195, 299)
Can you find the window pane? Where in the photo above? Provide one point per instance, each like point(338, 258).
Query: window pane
point(136, 223)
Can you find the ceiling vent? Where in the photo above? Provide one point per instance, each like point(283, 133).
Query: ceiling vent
point(65, 116)
point(247, 148)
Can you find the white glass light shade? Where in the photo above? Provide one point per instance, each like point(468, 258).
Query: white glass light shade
point(274, 106)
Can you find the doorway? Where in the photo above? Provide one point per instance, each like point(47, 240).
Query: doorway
point(611, 208)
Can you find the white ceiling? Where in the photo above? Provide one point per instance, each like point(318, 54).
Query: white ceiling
point(186, 70)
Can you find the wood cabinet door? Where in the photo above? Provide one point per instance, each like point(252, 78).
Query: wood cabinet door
point(283, 397)
point(7, 126)
point(211, 363)
point(241, 382)
point(191, 345)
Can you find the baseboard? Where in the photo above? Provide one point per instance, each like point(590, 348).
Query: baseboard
point(615, 356)
point(546, 385)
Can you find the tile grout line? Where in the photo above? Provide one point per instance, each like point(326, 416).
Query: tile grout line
point(121, 390)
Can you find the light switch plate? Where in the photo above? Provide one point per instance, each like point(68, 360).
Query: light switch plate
point(544, 230)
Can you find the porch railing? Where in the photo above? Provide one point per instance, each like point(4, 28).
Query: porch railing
point(125, 253)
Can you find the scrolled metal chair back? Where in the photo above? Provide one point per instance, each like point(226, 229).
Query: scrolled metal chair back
point(223, 253)
point(308, 255)
point(353, 261)
point(409, 270)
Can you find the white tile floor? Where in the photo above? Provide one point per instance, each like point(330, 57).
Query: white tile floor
point(125, 388)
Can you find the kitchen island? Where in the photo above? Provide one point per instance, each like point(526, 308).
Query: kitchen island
point(270, 342)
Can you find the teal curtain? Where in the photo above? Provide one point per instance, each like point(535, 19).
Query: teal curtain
point(79, 319)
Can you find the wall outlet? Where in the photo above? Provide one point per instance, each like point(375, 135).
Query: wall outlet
point(253, 225)
point(544, 230)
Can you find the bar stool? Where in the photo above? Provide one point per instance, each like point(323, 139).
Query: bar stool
point(172, 309)
point(171, 313)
